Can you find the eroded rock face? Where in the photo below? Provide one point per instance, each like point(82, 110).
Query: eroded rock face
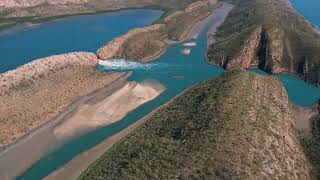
point(288, 43)
point(248, 54)
point(40, 68)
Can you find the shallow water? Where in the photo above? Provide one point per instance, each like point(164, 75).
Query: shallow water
point(300, 92)
point(173, 69)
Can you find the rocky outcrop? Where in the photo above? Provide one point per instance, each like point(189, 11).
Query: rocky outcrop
point(137, 44)
point(288, 43)
point(236, 126)
point(246, 57)
point(37, 69)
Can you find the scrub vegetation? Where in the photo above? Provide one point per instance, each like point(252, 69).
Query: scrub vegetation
point(235, 125)
point(311, 146)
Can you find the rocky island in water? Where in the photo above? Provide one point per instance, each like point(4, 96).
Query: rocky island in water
point(95, 120)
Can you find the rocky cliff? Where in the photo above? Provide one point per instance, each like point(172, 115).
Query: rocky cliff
point(269, 35)
point(236, 126)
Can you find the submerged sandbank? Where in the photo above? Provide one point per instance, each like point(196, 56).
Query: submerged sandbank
point(79, 163)
point(110, 109)
point(13, 160)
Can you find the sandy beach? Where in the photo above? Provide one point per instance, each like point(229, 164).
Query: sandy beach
point(303, 117)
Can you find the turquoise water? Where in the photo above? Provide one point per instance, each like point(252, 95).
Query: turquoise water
point(309, 9)
point(190, 69)
point(20, 44)
point(299, 92)
point(174, 70)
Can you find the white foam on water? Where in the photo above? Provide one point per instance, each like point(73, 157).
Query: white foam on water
point(121, 64)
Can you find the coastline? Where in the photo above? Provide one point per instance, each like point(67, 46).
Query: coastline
point(79, 163)
point(315, 27)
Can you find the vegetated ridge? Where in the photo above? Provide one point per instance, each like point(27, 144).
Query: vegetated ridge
point(269, 35)
point(237, 125)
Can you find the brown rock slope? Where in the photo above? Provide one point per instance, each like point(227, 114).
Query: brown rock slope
point(270, 35)
point(36, 92)
point(235, 126)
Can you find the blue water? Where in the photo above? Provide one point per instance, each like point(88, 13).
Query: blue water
point(190, 69)
point(174, 70)
point(20, 44)
point(299, 92)
point(309, 9)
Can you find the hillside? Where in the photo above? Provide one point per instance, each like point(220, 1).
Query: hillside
point(311, 146)
point(236, 125)
point(270, 35)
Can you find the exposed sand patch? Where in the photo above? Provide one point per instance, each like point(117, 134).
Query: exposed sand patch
point(186, 51)
point(110, 109)
point(303, 117)
point(189, 44)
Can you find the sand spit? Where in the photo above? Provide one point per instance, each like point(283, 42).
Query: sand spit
point(38, 91)
point(110, 109)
